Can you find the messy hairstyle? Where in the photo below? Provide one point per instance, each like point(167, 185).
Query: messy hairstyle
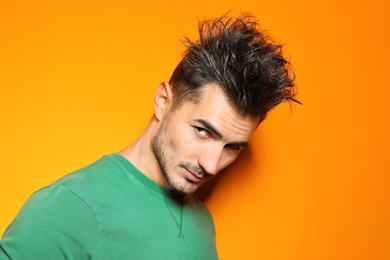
point(241, 59)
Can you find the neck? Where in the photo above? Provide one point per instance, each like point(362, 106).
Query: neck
point(141, 155)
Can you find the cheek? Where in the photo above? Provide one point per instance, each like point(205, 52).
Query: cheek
point(180, 141)
point(228, 159)
point(186, 144)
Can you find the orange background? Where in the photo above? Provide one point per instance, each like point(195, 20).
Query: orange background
point(77, 81)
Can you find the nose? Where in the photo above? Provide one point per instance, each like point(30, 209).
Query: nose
point(210, 159)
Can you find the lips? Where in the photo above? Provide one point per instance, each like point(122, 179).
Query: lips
point(192, 177)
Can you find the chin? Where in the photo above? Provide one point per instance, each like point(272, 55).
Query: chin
point(185, 187)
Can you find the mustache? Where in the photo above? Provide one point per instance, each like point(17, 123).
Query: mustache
point(196, 169)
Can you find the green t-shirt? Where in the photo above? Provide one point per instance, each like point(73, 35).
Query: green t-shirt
point(109, 210)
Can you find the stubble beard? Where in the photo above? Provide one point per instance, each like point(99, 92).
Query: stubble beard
point(163, 149)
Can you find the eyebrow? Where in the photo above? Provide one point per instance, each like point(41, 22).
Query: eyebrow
point(212, 129)
point(209, 127)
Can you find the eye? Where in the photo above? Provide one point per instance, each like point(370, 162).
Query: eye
point(233, 147)
point(201, 132)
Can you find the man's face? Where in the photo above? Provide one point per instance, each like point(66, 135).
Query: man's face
point(197, 140)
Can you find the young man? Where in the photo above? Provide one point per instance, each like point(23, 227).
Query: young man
point(140, 203)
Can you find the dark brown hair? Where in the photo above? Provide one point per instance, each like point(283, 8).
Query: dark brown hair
point(245, 62)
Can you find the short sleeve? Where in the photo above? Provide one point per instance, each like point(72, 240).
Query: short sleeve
point(54, 223)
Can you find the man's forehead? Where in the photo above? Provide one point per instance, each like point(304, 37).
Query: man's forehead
point(212, 94)
point(217, 112)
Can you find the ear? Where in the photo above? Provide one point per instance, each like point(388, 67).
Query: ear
point(162, 100)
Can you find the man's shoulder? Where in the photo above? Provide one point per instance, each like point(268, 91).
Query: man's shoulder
point(102, 171)
point(52, 218)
